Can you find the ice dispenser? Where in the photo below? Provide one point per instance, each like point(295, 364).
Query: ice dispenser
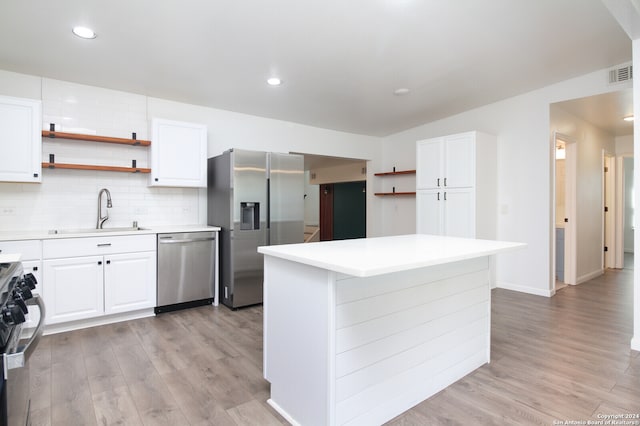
point(249, 216)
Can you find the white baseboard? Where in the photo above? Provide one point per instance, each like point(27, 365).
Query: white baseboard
point(591, 275)
point(635, 343)
point(525, 289)
point(282, 412)
point(93, 322)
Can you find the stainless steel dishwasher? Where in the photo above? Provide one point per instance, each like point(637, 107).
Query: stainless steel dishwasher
point(187, 270)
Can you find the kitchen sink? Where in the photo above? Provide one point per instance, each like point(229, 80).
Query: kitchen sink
point(94, 230)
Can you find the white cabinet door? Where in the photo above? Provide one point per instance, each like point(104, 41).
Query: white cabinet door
point(178, 154)
point(459, 161)
point(429, 212)
point(459, 213)
point(20, 140)
point(129, 282)
point(73, 289)
point(429, 174)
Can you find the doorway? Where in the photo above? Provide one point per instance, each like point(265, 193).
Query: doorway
point(343, 210)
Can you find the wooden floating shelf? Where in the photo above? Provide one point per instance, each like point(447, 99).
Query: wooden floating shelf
point(99, 168)
point(395, 193)
point(402, 172)
point(94, 138)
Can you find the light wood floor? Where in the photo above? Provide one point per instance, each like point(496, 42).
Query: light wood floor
point(563, 358)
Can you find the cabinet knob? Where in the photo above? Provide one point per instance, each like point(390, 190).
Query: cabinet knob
point(108, 262)
point(99, 262)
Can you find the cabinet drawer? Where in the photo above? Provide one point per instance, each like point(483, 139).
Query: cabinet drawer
point(72, 247)
point(29, 249)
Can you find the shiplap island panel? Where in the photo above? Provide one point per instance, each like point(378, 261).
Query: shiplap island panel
point(358, 331)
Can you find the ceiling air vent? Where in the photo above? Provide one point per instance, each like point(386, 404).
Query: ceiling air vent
point(618, 75)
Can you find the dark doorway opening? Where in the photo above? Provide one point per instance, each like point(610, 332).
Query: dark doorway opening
point(343, 211)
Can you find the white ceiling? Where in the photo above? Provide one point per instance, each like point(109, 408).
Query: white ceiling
point(605, 111)
point(340, 60)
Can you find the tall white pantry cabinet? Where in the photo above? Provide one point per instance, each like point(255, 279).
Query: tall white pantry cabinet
point(456, 186)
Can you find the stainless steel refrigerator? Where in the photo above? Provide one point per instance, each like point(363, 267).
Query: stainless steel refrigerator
point(257, 199)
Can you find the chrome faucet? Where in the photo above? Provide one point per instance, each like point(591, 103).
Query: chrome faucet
point(103, 219)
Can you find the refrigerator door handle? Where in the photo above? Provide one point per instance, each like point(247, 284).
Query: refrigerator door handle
point(268, 211)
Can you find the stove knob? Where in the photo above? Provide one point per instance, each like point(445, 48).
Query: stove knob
point(12, 314)
point(23, 292)
point(30, 280)
point(19, 301)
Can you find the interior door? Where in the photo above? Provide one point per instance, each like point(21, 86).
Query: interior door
point(349, 210)
point(326, 212)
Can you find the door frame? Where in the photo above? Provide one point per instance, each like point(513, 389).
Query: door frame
point(609, 235)
point(570, 241)
point(620, 202)
point(326, 211)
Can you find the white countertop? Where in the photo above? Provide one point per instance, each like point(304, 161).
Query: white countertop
point(8, 258)
point(70, 233)
point(375, 256)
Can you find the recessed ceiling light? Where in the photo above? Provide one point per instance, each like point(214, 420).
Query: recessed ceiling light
point(628, 118)
point(84, 32)
point(401, 91)
point(274, 81)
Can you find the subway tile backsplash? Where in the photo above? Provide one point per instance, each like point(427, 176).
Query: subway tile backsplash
point(69, 198)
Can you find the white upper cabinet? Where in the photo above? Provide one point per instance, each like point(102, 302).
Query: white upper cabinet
point(459, 161)
point(429, 173)
point(446, 162)
point(178, 154)
point(20, 140)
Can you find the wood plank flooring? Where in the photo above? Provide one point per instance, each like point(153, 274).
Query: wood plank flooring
point(563, 358)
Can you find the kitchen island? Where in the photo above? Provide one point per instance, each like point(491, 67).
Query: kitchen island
point(359, 331)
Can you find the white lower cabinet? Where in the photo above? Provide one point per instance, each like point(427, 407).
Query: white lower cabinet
point(74, 288)
point(448, 212)
point(104, 283)
point(129, 282)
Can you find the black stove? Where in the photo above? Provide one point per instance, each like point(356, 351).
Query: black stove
point(17, 341)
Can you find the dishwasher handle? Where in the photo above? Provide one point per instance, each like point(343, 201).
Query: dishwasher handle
point(169, 240)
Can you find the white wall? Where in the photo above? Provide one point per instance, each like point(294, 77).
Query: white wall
point(624, 145)
point(522, 127)
point(68, 198)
